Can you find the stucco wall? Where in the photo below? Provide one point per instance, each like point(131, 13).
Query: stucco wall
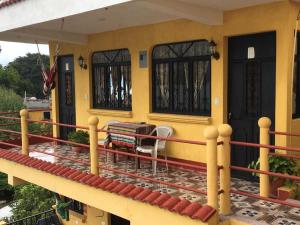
point(279, 17)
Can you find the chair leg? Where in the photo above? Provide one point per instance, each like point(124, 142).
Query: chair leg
point(166, 157)
point(154, 162)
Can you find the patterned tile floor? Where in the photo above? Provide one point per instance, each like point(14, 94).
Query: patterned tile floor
point(248, 209)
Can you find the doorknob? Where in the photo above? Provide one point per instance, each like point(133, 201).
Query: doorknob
point(229, 115)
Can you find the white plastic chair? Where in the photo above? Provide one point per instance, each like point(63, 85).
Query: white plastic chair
point(159, 146)
point(104, 142)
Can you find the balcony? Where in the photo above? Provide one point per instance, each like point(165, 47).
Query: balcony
point(183, 181)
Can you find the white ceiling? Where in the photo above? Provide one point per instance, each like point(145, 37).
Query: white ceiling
point(127, 14)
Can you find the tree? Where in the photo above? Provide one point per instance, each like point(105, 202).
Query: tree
point(29, 71)
point(6, 190)
point(31, 199)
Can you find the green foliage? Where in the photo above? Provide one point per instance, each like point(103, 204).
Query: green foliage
point(6, 190)
point(40, 129)
point(278, 164)
point(79, 136)
point(31, 199)
point(24, 74)
point(9, 100)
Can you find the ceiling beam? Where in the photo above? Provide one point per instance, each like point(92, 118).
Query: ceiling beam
point(50, 35)
point(190, 11)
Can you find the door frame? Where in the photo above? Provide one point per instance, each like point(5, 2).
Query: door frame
point(57, 93)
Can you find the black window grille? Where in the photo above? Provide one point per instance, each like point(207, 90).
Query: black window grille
point(111, 79)
point(296, 81)
point(181, 78)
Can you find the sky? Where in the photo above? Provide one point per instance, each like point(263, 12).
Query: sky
point(12, 50)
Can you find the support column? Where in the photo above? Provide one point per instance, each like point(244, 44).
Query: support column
point(24, 131)
point(264, 124)
point(224, 153)
point(211, 134)
point(93, 123)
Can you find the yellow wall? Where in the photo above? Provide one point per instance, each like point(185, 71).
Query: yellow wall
point(38, 114)
point(136, 212)
point(279, 17)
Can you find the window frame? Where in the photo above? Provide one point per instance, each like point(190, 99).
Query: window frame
point(170, 61)
point(107, 65)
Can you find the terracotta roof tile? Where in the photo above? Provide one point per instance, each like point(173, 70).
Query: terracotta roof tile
point(112, 185)
point(184, 207)
point(180, 206)
point(152, 197)
point(127, 189)
point(105, 183)
point(191, 209)
point(119, 187)
point(98, 181)
point(8, 3)
point(134, 192)
point(143, 194)
point(170, 203)
point(204, 213)
point(161, 199)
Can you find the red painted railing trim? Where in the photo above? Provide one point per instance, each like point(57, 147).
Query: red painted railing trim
point(156, 137)
point(247, 144)
point(284, 133)
point(291, 177)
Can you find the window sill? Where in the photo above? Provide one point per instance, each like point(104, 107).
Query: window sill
point(77, 215)
point(180, 118)
point(112, 113)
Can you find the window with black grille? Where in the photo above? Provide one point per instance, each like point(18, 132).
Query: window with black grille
point(111, 79)
point(181, 78)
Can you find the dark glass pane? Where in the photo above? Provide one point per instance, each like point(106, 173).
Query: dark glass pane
point(99, 86)
point(201, 86)
point(111, 56)
point(113, 83)
point(182, 49)
point(68, 92)
point(162, 86)
point(253, 88)
point(181, 87)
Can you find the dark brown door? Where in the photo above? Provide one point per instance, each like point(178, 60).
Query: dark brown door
point(251, 91)
point(66, 94)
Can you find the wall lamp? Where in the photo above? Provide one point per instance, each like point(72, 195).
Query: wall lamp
point(82, 63)
point(213, 51)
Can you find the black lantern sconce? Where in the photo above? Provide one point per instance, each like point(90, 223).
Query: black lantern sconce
point(213, 51)
point(82, 63)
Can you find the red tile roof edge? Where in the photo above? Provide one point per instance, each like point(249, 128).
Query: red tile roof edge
point(8, 3)
point(173, 204)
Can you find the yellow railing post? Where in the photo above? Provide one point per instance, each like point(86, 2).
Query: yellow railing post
point(24, 131)
point(224, 160)
point(264, 124)
point(211, 134)
point(93, 123)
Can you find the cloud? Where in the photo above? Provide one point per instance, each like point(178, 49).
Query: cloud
point(12, 50)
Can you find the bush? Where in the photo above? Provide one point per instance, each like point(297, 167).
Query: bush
point(31, 199)
point(79, 136)
point(6, 190)
point(10, 101)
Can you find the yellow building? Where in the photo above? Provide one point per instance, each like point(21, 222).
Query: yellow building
point(186, 64)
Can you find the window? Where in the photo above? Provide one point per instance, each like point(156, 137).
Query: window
point(181, 78)
point(75, 205)
point(112, 79)
point(296, 82)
